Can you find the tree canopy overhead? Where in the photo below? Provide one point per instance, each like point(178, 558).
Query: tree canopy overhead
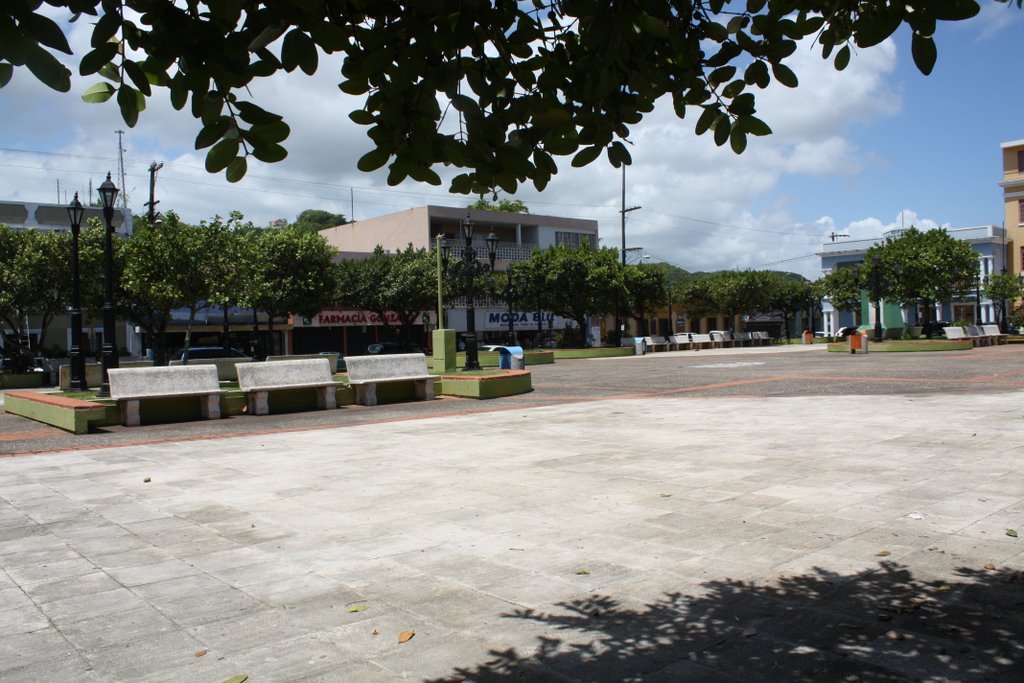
point(499, 89)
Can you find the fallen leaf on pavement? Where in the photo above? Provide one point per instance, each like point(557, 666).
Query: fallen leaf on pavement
point(990, 566)
point(357, 608)
point(883, 553)
point(374, 632)
point(146, 480)
point(237, 679)
point(405, 636)
point(1011, 532)
point(581, 572)
point(202, 652)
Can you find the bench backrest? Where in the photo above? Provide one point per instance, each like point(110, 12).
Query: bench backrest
point(718, 335)
point(700, 338)
point(284, 373)
point(974, 331)
point(225, 366)
point(681, 338)
point(655, 339)
point(954, 332)
point(991, 330)
point(162, 381)
point(741, 336)
point(386, 366)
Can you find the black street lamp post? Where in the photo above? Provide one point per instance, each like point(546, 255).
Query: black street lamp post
point(108, 193)
point(470, 269)
point(977, 299)
point(78, 381)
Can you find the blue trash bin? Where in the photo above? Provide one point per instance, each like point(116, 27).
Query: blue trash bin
point(511, 358)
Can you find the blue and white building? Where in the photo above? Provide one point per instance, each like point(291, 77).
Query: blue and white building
point(990, 243)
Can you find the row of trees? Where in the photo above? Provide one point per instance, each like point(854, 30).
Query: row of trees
point(229, 263)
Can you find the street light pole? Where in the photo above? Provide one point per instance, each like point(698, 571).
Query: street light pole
point(108, 193)
point(470, 269)
point(78, 381)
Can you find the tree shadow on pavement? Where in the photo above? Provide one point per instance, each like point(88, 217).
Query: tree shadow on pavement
point(876, 625)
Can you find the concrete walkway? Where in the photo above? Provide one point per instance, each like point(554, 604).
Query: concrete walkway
point(658, 539)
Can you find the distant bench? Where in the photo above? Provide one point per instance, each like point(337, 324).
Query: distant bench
point(128, 386)
point(256, 380)
point(366, 372)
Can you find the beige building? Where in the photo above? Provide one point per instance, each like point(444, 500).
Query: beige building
point(1013, 199)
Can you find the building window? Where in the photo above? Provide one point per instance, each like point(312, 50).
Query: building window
point(571, 239)
point(1020, 211)
point(1020, 160)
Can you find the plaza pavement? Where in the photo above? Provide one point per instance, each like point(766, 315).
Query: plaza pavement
point(654, 535)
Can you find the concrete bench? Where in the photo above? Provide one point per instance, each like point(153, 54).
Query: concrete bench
point(257, 380)
point(225, 366)
point(993, 332)
point(656, 343)
point(130, 385)
point(978, 337)
point(720, 339)
point(366, 372)
point(955, 333)
point(702, 341)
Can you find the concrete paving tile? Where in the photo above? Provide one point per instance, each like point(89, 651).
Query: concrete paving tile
point(139, 574)
point(131, 659)
point(253, 628)
point(22, 651)
point(31, 558)
point(216, 559)
point(97, 632)
point(90, 605)
point(51, 571)
point(292, 590)
point(22, 619)
point(12, 597)
point(47, 591)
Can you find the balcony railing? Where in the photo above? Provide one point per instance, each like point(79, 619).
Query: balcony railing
point(506, 251)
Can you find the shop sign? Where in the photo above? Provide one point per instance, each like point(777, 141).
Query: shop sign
point(354, 319)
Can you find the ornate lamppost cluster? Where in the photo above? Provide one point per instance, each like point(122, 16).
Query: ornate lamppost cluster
point(510, 293)
point(108, 193)
point(876, 284)
point(469, 268)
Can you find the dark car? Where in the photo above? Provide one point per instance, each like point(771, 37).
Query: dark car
point(934, 328)
point(204, 352)
point(389, 347)
point(847, 331)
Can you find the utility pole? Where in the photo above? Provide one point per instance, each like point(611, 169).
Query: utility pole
point(153, 168)
point(623, 211)
point(120, 169)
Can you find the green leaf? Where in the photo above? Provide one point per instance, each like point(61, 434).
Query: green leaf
point(737, 140)
point(372, 160)
point(6, 71)
point(131, 103)
point(582, 572)
point(842, 58)
point(47, 69)
point(277, 131)
point(1011, 532)
point(236, 169)
point(784, 75)
point(43, 30)
point(212, 132)
point(755, 126)
point(923, 50)
point(299, 50)
point(723, 128)
point(362, 117)
point(138, 76)
point(618, 154)
point(242, 678)
point(94, 61)
point(357, 608)
point(706, 120)
point(256, 115)
point(586, 155)
point(101, 92)
point(269, 153)
point(221, 154)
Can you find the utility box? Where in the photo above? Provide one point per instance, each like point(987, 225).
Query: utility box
point(443, 360)
point(511, 358)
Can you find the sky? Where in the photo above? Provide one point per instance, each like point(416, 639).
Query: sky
point(853, 153)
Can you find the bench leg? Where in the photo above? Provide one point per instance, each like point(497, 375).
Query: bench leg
point(257, 401)
point(366, 394)
point(130, 413)
point(209, 407)
point(326, 398)
point(425, 389)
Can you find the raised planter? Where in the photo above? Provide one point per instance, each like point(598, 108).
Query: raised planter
point(22, 380)
point(508, 383)
point(596, 352)
point(71, 414)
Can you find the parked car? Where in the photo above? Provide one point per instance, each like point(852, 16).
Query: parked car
point(203, 352)
point(383, 347)
point(847, 331)
point(936, 327)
